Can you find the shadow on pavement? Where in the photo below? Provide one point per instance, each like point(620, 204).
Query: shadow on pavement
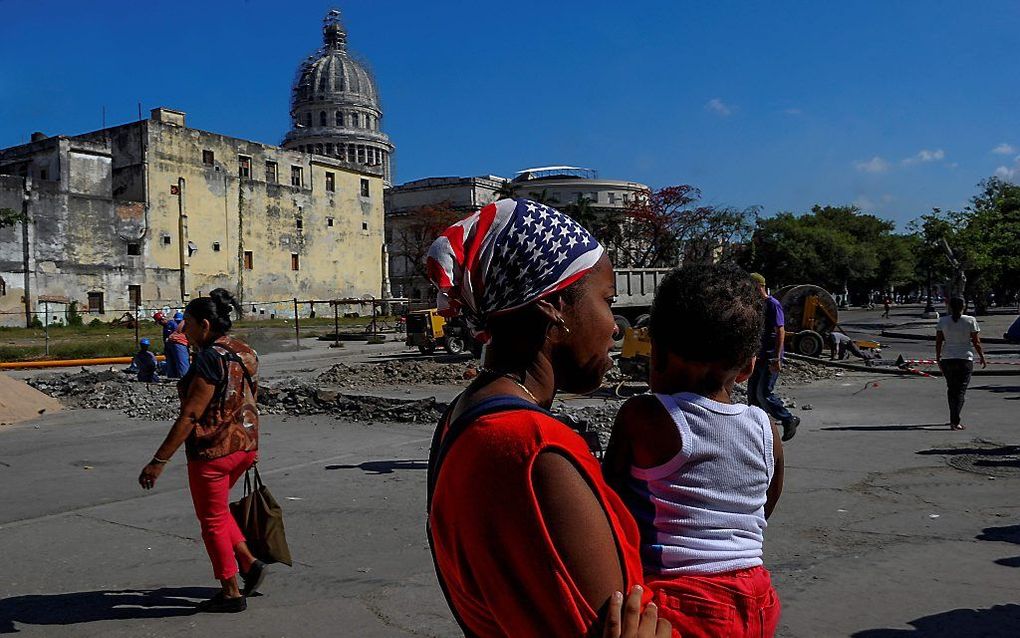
point(994, 622)
point(1000, 389)
point(93, 606)
point(888, 428)
point(1007, 534)
point(1005, 450)
point(384, 467)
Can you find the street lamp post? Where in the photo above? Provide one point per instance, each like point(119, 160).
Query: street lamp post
point(929, 308)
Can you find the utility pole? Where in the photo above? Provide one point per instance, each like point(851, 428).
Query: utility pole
point(182, 233)
point(26, 251)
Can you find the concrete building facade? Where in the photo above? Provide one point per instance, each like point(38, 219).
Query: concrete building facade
point(563, 185)
point(154, 213)
point(406, 203)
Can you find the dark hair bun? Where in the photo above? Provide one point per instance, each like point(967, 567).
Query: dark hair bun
point(225, 302)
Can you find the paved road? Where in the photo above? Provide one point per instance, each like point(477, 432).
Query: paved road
point(890, 525)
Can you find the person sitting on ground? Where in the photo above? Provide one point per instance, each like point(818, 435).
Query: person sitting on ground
point(700, 472)
point(954, 336)
point(144, 362)
point(840, 344)
point(219, 427)
point(527, 538)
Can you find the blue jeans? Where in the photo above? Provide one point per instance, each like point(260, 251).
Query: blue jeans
point(761, 388)
point(177, 360)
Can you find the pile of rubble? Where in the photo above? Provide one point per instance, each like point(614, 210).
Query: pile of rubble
point(115, 390)
point(397, 373)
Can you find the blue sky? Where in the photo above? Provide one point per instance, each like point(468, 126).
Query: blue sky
point(895, 106)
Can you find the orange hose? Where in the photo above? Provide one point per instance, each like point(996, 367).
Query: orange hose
point(69, 363)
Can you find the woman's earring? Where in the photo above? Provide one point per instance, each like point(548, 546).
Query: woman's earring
point(563, 325)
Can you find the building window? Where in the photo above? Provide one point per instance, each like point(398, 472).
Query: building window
point(165, 239)
point(295, 176)
point(294, 262)
point(3, 287)
point(361, 155)
point(308, 118)
point(249, 260)
point(95, 303)
point(330, 182)
point(300, 223)
point(339, 118)
point(364, 225)
point(364, 188)
point(329, 222)
point(354, 120)
point(44, 174)
point(244, 167)
point(134, 296)
point(329, 149)
point(208, 157)
point(216, 246)
point(272, 173)
point(134, 249)
point(612, 199)
point(322, 118)
point(318, 149)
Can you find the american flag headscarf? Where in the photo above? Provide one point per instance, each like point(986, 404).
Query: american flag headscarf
point(505, 256)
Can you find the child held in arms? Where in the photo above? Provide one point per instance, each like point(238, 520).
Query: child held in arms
point(700, 471)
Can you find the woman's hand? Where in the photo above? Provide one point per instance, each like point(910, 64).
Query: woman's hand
point(631, 622)
point(151, 472)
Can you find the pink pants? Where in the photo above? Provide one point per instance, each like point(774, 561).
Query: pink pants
point(210, 483)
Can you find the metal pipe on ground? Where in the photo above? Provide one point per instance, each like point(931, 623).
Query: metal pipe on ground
point(70, 363)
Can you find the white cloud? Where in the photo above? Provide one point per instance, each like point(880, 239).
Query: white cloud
point(924, 155)
point(717, 106)
point(1010, 174)
point(864, 203)
point(793, 111)
point(1004, 149)
point(874, 165)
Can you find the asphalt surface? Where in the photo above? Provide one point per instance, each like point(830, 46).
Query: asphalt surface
point(890, 525)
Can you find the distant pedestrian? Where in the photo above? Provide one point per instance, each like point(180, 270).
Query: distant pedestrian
point(144, 362)
point(887, 304)
point(761, 387)
point(954, 337)
point(219, 427)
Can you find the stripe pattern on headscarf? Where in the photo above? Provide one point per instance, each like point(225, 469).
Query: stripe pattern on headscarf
point(505, 256)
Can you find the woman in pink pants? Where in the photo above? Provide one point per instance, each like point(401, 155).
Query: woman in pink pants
point(219, 427)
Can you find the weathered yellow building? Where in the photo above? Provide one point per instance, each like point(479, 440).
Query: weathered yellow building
point(153, 213)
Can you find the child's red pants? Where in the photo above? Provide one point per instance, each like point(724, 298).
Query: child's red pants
point(740, 604)
point(210, 483)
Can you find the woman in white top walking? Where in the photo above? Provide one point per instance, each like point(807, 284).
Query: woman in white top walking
point(955, 335)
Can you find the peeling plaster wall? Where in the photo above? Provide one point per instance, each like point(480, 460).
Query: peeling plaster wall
point(111, 189)
point(248, 213)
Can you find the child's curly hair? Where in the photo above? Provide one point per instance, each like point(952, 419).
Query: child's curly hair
point(708, 314)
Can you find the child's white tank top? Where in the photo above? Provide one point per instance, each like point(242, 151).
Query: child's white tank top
point(703, 511)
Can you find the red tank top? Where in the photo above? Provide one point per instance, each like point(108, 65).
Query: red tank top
point(492, 548)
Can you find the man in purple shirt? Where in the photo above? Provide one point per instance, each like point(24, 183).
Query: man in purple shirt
point(762, 384)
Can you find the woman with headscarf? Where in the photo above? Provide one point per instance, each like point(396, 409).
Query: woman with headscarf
point(955, 335)
point(527, 538)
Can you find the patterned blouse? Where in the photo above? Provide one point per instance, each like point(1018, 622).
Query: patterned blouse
point(230, 422)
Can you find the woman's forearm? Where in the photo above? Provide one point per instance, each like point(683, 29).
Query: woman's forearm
point(182, 427)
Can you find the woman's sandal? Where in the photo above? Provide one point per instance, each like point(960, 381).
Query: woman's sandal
point(957, 426)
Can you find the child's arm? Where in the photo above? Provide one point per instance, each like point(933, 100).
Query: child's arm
point(776, 486)
point(643, 435)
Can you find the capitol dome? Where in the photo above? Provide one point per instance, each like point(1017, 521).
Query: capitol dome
point(335, 107)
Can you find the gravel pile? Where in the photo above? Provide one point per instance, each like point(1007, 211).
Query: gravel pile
point(397, 373)
point(114, 390)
